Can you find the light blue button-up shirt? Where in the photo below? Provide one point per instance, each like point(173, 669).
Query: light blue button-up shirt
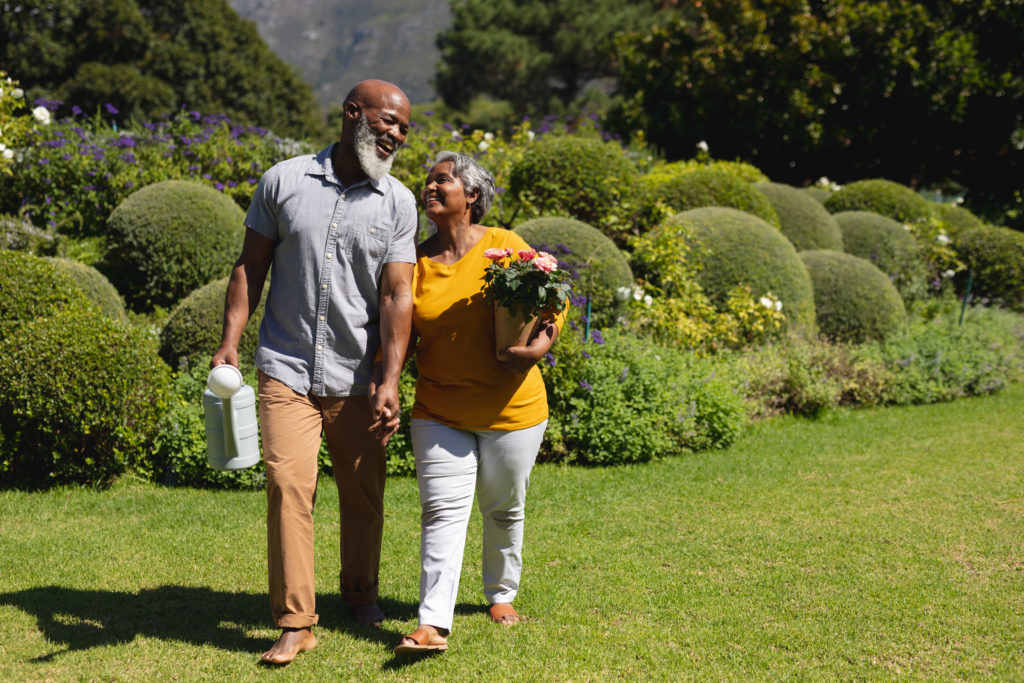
point(320, 331)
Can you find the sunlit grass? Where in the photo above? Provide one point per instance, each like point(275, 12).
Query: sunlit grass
point(872, 544)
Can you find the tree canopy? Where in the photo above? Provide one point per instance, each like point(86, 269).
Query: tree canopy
point(540, 55)
point(918, 92)
point(147, 58)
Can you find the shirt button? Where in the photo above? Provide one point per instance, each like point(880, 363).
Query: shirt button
point(334, 225)
point(324, 286)
point(319, 347)
point(321, 317)
point(342, 195)
point(328, 256)
point(372, 231)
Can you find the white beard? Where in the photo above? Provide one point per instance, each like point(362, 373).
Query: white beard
point(366, 151)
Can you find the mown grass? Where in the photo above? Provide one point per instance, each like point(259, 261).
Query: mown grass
point(872, 544)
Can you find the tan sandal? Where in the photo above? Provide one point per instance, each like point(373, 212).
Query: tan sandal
point(503, 613)
point(422, 640)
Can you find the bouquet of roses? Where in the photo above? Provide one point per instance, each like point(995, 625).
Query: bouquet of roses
point(526, 282)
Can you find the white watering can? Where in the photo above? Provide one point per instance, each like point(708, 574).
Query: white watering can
point(232, 435)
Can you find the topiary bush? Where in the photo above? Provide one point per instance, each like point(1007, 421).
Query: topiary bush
point(620, 399)
point(733, 248)
point(883, 197)
point(192, 332)
point(956, 220)
point(579, 177)
point(31, 287)
point(995, 256)
point(598, 267)
point(802, 219)
point(817, 193)
point(889, 247)
point(95, 286)
point(854, 300)
point(83, 395)
point(711, 187)
point(169, 238)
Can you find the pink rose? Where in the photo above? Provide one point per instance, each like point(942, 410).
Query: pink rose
point(495, 254)
point(527, 254)
point(546, 262)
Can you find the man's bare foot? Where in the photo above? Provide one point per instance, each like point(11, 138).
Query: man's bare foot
point(368, 615)
point(292, 642)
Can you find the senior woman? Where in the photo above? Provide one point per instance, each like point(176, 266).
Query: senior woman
point(477, 422)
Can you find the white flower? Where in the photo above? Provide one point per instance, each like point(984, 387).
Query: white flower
point(42, 115)
point(622, 293)
point(17, 93)
point(778, 305)
point(942, 238)
point(906, 227)
point(530, 134)
point(8, 154)
point(2, 146)
point(638, 293)
point(483, 145)
point(766, 302)
point(488, 136)
point(648, 300)
point(948, 273)
point(959, 200)
point(823, 181)
point(702, 146)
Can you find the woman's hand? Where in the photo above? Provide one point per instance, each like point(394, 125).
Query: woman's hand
point(384, 406)
point(519, 359)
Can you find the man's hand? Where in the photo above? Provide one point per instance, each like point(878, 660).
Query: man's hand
point(519, 359)
point(385, 407)
point(225, 354)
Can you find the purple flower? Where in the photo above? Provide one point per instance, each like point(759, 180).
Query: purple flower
point(111, 109)
point(251, 181)
point(128, 158)
point(75, 110)
point(586, 355)
point(597, 336)
point(550, 358)
point(219, 186)
point(586, 385)
point(195, 115)
point(129, 184)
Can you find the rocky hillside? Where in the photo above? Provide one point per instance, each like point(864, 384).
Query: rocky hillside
point(336, 43)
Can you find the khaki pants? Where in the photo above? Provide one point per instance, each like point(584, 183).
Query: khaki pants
point(291, 425)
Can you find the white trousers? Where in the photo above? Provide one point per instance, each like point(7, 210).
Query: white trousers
point(450, 464)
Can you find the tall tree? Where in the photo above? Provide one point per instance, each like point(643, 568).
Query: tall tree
point(540, 55)
point(917, 92)
point(149, 57)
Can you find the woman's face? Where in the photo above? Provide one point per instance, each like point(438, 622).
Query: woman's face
point(443, 193)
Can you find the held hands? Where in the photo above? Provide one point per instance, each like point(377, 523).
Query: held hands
point(519, 359)
point(384, 406)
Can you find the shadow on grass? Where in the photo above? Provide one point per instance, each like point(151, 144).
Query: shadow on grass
point(84, 619)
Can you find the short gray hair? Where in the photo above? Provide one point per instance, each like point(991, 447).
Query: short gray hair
point(475, 178)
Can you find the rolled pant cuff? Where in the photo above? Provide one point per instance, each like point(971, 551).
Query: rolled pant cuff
point(359, 598)
point(296, 620)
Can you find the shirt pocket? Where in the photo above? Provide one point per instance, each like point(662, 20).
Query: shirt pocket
point(367, 243)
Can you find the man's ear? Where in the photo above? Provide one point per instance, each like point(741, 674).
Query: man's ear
point(352, 110)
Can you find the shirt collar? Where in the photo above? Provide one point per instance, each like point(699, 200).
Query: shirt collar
point(321, 165)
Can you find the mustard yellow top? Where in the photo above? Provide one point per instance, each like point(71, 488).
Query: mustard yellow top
point(460, 383)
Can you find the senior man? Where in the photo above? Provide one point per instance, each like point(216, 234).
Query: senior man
point(339, 232)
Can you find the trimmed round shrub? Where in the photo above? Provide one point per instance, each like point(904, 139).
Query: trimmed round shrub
point(740, 169)
point(889, 247)
point(956, 219)
point(31, 287)
point(883, 197)
point(94, 285)
point(169, 238)
point(854, 301)
point(599, 268)
point(579, 177)
point(83, 395)
point(818, 194)
point(996, 257)
point(191, 334)
point(737, 248)
point(710, 187)
point(802, 219)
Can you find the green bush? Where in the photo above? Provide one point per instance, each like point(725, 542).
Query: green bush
point(882, 197)
point(579, 177)
point(192, 332)
point(18, 234)
point(712, 187)
point(996, 258)
point(941, 360)
point(620, 399)
point(741, 170)
point(854, 300)
point(598, 267)
point(169, 238)
point(735, 248)
point(31, 287)
point(956, 219)
point(82, 398)
point(817, 193)
point(889, 246)
point(95, 286)
point(802, 219)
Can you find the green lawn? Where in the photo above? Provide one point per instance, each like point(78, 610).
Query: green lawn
point(872, 544)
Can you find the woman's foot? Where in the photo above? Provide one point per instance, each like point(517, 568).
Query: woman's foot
point(424, 639)
point(503, 613)
point(292, 642)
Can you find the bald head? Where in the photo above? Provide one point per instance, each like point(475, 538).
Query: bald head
point(374, 126)
point(376, 93)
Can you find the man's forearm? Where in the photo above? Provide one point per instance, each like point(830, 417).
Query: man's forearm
point(395, 328)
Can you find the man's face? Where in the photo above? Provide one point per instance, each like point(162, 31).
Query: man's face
point(379, 132)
